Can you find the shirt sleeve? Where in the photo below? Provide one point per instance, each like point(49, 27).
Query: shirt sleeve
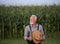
point(26, 32)
point(41, 28)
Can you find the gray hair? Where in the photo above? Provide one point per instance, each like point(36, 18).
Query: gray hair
point(35, 16)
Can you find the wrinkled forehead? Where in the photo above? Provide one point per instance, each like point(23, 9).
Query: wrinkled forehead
point(32, 17)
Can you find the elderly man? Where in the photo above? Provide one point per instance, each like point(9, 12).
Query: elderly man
point(33, 25)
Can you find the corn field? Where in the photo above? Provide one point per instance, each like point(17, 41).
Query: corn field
point(13, 20)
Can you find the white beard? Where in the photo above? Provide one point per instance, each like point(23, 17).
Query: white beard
point(31, 23)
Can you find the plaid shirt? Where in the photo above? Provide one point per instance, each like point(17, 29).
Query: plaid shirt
point(28, 31)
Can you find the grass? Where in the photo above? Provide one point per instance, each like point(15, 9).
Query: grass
point(13, 41)
point(21, 41)
point(51, 41)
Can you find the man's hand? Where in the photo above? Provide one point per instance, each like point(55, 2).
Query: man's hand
point(29, 38)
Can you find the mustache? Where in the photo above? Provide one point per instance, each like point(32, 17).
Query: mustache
point(31, 22)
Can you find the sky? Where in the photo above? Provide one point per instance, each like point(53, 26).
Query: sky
point(29, 2)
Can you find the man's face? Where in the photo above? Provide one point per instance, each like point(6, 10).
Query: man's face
point(32, 20)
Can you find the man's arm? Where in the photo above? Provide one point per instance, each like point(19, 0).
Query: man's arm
point(26, 34)
point(43, 36)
